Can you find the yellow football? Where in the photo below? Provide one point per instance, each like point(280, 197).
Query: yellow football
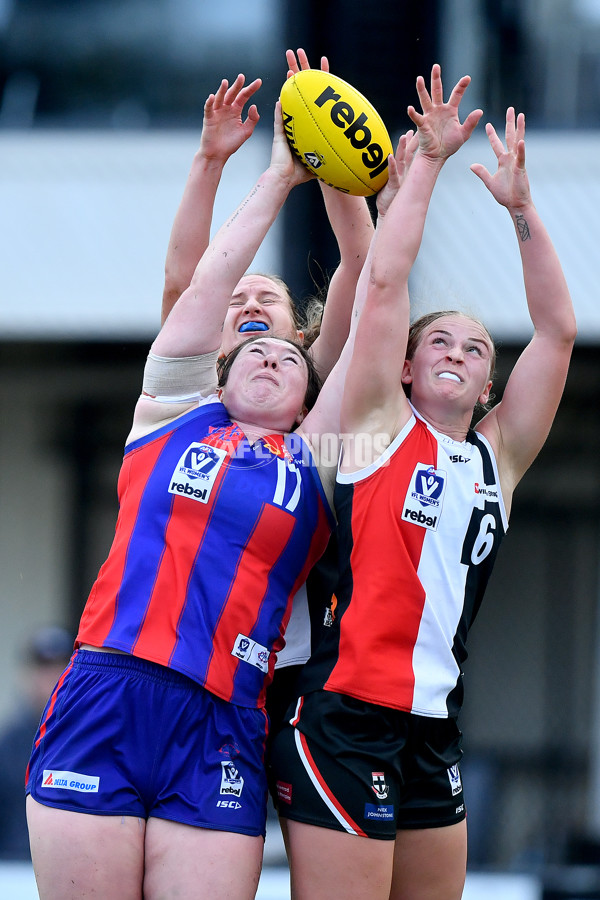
point(336, 132)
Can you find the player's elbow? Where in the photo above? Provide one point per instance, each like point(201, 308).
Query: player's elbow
point(388, 275)
point(566, 330)
point(570, 332)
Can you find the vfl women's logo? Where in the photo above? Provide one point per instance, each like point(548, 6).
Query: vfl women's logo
point(455, 781)
point(425, 496)
point(196, 471)
point(232, 782)
point(198, 461)
point(428, 486)
point(251, 652)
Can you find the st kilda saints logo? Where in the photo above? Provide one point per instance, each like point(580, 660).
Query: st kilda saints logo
point(380, 788)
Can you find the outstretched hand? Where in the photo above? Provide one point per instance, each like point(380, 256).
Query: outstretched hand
point(301, 63)
point(509, 185)
point(224, 130)
point(398, 166)
point(283, 161)
point(282, 156)
point(440, 131)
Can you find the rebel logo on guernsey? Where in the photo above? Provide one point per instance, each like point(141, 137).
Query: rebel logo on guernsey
point(425, 496)
point(70, 781)
point(196, 472)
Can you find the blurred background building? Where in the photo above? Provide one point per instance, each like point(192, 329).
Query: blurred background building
point(100, 112)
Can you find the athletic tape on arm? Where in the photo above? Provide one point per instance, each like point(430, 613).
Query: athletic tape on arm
point(175, 379)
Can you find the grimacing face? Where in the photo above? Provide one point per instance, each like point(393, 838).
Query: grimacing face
point(451, 359)
point(266, 384)
point(419, 326)
point(259, 305)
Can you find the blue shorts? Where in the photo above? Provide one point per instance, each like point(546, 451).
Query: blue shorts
point(123, 736)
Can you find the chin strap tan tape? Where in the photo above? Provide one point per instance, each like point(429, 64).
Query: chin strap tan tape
point(177, 379)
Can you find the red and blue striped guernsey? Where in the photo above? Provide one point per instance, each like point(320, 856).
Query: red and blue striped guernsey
point(214, 537)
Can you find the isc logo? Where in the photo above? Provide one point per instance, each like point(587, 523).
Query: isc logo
point(355, 130)
point(229, 804)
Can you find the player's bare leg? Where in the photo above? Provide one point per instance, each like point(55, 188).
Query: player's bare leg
point(77, 855)
point(430, 863)
point(200, 864)
point(333, 865)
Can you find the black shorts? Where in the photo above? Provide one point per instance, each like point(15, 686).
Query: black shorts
point(366, 769)
point(282, 692)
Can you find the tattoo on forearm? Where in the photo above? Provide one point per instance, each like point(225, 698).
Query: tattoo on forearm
point(523, 228)
point(242, 205)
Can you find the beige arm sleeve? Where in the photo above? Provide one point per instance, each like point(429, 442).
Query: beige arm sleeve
point(175, 380)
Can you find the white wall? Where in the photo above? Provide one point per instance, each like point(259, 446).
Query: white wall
point(85, 220)
point(84, 225)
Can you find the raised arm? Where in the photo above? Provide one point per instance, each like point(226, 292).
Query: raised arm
point(193, 329)
point(322, 425)
point(374, 400)
point(519, 424)
point(224, 130)
point(196, 321)
point(352, 225)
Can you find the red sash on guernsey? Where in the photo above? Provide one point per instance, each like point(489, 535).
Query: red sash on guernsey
point(213, 539)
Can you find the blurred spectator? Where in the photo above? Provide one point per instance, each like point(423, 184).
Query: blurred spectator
point(43, 659)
